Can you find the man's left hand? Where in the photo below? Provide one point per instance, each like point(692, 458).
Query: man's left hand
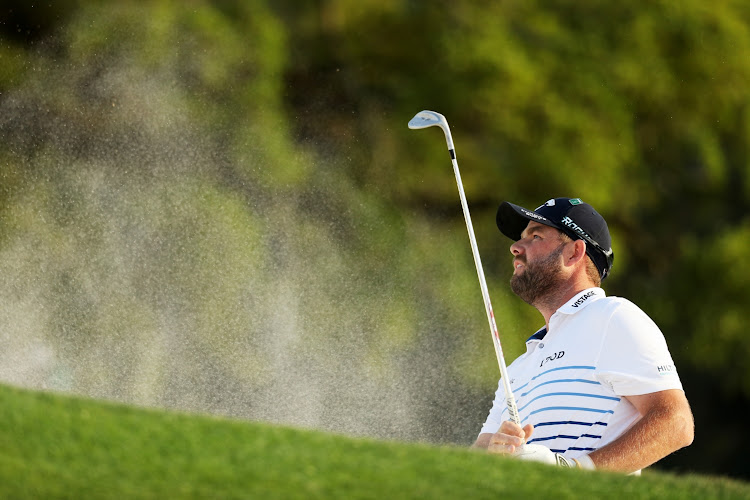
point(539, 453)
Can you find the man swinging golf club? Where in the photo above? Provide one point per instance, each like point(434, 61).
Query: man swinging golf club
point(597, 387)
point(597, 382)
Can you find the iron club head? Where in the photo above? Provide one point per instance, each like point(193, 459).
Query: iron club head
point(427, 118)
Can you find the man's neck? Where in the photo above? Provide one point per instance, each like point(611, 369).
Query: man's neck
point(550, 303)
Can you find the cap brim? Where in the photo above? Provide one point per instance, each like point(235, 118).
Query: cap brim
point(512, 220)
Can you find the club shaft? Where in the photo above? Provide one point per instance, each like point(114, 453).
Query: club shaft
point(426, 119)
point(509, 399)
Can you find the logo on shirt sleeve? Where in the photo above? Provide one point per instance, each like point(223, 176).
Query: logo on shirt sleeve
point(666, 370)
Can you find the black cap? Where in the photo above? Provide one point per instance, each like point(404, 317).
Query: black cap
point(573, 217)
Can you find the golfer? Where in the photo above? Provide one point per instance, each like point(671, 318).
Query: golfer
point(597, 387)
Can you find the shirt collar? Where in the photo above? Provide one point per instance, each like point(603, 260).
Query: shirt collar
point(577, 303)
point(581, 300)
point(539, 335)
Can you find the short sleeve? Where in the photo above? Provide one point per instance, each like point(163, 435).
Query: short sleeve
point(634, 358)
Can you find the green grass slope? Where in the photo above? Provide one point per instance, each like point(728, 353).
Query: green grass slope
point(54, 446)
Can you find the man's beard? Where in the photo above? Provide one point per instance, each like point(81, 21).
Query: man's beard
point(538, 279)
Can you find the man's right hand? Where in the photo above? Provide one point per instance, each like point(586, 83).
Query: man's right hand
point(509, 437)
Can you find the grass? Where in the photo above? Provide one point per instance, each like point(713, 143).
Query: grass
point(55, 446)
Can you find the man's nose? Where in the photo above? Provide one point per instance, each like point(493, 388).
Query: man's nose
point(516, 248)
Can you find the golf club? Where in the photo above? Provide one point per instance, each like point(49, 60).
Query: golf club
point(425, 119)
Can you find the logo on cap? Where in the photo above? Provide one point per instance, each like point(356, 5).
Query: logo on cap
point(533, 215)
point(548, 203)
point(575, 227)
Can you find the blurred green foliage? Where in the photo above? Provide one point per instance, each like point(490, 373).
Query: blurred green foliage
point(224, 195)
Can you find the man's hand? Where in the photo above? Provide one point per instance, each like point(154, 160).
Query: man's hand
point(510, 440)
point(539, 453)
point(509, 437)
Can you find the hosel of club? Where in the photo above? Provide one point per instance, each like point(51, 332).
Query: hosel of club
point(509, 399)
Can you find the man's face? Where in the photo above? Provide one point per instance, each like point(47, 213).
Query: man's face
point(537, 266)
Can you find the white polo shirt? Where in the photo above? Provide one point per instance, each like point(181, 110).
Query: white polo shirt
point(571, 381)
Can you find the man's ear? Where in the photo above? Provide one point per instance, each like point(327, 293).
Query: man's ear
point(576, 253)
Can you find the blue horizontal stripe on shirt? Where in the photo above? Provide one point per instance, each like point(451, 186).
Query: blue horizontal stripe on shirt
point(571, 408)
point(553, 437)
point(579, 394)
point(562, 436)
point(564, 368)
point(572, 449)
point(578, 367)
point(571, 422)
point(564, 407)
point(561, 381)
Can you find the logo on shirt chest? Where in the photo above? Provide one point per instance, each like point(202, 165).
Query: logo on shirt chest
point(552, 357)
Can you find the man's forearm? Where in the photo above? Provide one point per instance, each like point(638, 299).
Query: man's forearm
point(664, 429)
